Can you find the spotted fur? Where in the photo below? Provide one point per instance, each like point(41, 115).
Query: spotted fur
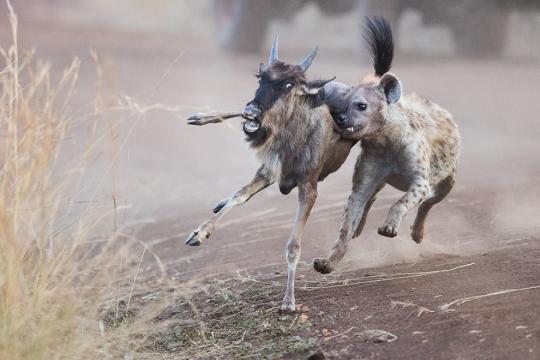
point(408, 142)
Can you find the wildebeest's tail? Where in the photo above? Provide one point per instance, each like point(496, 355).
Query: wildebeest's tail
point(378, 36)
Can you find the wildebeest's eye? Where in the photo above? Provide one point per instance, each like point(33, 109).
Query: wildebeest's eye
point(289, 85)
point(360, 106)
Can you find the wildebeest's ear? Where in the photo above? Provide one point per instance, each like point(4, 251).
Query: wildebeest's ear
point(313, 87)
point(391, 87)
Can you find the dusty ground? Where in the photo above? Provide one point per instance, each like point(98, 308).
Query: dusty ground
point(482, 240)
point(474, 307)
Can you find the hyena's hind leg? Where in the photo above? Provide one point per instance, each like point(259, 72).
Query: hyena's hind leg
point(440, 191)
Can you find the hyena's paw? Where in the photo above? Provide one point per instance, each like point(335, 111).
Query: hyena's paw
point(417, 235)
point(322, 265)
point(388, 230)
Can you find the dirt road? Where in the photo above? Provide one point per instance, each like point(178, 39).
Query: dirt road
point(482, 240)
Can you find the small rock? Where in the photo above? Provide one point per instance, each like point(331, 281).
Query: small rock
point(178, 331)
point(377, 336)
point(173, 346)
point(294, 339)
point(317, 355)
point(303, 318)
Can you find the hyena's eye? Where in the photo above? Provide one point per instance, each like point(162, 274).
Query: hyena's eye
point(362, 106)
point(289, 85)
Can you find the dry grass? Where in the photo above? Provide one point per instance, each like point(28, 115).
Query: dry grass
point(69, 289)
point(56, 280)
point(228, 318)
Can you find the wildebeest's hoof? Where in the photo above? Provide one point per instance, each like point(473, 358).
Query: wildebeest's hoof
point(194, 239)
point(322, 265)
point(388, 230)
point(220, 206)
point(287, 309)
point(195, 119)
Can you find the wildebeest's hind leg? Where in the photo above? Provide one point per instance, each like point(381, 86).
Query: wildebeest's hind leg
point(368, 179)
point(307, 195)
point(261, 181)
point(439, 192)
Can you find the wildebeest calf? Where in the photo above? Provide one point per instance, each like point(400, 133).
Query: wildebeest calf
point(407, 141)
point(292, 131)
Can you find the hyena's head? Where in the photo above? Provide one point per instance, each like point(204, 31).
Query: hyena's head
point(282, 87)
point(365, 106)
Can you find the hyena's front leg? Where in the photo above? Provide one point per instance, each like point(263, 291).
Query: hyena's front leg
point(307, 194)
point(417, 192)
point(368, 179)
point(262, 180)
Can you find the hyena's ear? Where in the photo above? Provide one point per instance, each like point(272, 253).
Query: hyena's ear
point(313, 87)
point(391, 87)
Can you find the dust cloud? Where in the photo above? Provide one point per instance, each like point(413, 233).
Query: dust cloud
point(167, 175)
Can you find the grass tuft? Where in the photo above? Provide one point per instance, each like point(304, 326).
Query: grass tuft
point(56, 278)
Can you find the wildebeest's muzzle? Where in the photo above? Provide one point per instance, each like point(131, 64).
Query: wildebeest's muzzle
point(252, 113)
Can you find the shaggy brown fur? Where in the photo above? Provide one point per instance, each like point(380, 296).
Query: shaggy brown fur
point(292, 132)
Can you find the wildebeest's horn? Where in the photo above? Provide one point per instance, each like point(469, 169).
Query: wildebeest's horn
point(309, 59)
point(273, 51)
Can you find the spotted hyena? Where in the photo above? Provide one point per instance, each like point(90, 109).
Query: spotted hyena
point(407, 141)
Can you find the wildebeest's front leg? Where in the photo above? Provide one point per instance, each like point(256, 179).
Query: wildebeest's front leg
point(417, 192)
point(307, 194)
point(262, 179)
point(368, 179)
point(211, 118)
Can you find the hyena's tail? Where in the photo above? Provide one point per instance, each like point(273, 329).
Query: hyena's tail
point(378, 35)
